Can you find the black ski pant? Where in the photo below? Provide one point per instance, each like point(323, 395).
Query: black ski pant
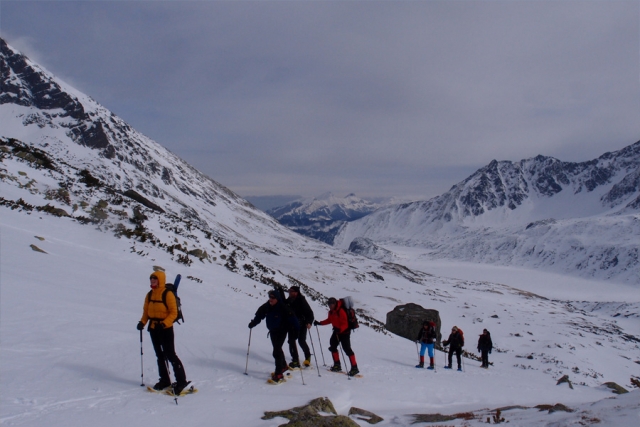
point(458, 352)
point(163, 345)
point(343, 339)
point(277, 341)
point(301, 338)
point(485, 357)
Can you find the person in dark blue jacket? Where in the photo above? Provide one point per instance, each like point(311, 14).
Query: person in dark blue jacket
point(280, 319)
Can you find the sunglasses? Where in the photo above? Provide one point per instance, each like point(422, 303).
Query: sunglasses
point(273, 298)
point(153, 278)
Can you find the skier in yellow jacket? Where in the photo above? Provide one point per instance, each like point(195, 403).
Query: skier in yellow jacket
point(161, 314)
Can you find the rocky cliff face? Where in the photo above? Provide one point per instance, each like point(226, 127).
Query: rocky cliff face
point(543, 212)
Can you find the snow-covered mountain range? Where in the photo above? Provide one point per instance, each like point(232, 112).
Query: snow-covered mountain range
point(88, 206)
point(321, 217)
point(577, 218)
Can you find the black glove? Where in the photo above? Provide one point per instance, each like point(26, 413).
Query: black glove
point(159, 326)
point(445, 343)
point(140, 326)
point(252, 324)
point(316, 323)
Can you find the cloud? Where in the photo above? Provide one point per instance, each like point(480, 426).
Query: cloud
point(377, 98)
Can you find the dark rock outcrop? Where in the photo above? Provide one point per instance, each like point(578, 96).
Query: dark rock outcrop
point(406, 320)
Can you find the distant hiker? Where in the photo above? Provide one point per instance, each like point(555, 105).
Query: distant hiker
point(337, 317)
point(304, 314)
point(280, 319)
point(455, 343)
point(485, 345)
point(427, 338)
point(160, 310)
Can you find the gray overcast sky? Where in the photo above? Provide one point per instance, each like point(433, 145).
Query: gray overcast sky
point(389, 98)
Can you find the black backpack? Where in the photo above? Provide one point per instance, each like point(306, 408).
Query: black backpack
point(347, 306)
point(171, 287)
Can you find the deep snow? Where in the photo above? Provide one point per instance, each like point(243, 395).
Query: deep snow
point(70, 354)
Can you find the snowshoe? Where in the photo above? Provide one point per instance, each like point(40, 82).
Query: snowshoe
point(294, 365)
point(354, 371)
point(336, 368)
point(179, 387)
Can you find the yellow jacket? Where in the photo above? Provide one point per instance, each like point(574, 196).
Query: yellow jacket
point(154, 309)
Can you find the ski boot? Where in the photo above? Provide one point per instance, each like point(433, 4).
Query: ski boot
point(179, 386)
point(162, 384)
point(294, 365)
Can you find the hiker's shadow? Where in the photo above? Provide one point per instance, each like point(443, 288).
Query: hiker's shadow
point(93, 372)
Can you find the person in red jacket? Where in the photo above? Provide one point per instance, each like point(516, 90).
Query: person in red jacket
point(341, 335)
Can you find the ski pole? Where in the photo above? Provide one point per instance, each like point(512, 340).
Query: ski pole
point(344, 359)
point(321, 352)
point(141, 362)
point(314, 354)
point(301, 374)
point(248, 347)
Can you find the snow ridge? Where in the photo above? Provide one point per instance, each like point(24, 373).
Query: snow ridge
point(577, 218)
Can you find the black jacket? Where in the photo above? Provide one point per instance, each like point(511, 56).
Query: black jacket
point(427, 336)
point(485, 343)
point(455, 340)
point(279, 317)
point(301, 309)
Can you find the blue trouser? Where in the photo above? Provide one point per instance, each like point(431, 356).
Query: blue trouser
point(424, 346)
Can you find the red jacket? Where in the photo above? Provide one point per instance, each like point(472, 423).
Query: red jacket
point(337, 318)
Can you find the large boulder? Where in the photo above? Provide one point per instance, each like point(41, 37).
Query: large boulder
point(406, 320)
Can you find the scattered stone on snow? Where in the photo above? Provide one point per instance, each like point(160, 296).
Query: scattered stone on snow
point(311, 415)
point(363, 415)
point(617, 389)
point(37, 249)
point(39, 238)
point(565, 379)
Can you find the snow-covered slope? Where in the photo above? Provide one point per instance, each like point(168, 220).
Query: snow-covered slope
point(42, 112)
point(70, 354)
point(321, 217)
point(578, 218)
point(81, 227)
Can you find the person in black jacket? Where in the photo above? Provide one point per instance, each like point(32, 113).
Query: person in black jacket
point(485, 345)
point(455, 343)
point(304, 314)
point(280, 319)
point(427, 337)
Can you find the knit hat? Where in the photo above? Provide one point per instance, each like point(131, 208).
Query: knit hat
point(273, 294)
point(332, 300)
point(294, 289)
